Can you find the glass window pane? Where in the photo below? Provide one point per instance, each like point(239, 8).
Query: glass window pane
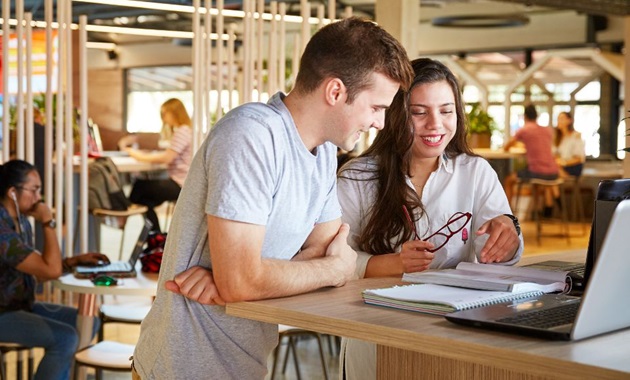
point(144, 108)
point(590, 92)
point(586, 120)
point(496, 93)
point(471, 94)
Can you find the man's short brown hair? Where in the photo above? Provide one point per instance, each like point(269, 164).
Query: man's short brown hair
point(351, 50)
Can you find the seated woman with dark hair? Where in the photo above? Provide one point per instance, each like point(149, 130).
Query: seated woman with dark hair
point(23, 320)
point(570, 154)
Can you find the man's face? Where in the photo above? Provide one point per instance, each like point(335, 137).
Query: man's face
point(366, 111)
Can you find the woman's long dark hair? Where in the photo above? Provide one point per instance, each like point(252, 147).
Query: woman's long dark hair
point(392, 152)
point(570, 128)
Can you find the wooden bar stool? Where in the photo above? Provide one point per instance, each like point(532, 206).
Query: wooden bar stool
point(105, 355)
point(20, 350)
point(170, 208)
point(127, 313)
point(289, 334)
point(538, 189)
point(573, 185)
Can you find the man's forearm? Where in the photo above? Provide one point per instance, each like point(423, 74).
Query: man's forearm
point(280, 278)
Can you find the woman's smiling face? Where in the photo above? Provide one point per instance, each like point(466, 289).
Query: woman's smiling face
point(434, 118)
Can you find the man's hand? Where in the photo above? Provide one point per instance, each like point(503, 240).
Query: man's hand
point(502, 242)
point(414, 256)
point(346, 257)
point(91, 258)
point(41, 212)
point(196, 284)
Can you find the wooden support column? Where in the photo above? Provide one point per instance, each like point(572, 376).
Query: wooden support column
point(401, 18)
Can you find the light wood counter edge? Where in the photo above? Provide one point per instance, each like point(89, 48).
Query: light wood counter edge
point(505, 357)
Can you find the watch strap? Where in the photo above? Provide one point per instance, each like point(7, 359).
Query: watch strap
point(517, 225)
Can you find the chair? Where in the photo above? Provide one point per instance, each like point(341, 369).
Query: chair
point(105, 355)
point(20, 350)
point(170, 208)
point(289, 334)
point(112, 218)
point(538, 188)
point(127, 313)
point(573, 185)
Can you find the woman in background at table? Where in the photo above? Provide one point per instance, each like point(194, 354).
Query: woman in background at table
point(570, 154)
point(23, 320)
point(178, 156)
point(417, 178)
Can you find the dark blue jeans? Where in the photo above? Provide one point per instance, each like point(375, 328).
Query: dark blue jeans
point(50, 326)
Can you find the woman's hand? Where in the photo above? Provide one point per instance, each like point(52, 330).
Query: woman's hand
point(503, 240)
point(415, 257)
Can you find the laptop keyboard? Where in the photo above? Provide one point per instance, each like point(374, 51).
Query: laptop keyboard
point(114, 267)
point(546, 318)
point(118, 266)
point(577, 269)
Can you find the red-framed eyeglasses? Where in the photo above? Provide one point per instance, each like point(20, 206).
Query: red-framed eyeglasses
point(455, 223)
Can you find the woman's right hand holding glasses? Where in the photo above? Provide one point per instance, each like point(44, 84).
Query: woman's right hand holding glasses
point(415, 257)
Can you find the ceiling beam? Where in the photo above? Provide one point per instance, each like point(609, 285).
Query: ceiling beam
point(598, 7)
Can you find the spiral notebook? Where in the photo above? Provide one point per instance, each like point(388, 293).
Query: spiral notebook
point(438, 299)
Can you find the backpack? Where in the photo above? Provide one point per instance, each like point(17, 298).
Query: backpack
point(104, 187)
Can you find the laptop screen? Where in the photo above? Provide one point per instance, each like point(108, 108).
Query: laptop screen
point(609, 194)
point(137, 249)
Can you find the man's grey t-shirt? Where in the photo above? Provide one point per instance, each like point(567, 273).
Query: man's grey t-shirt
point(252, 168)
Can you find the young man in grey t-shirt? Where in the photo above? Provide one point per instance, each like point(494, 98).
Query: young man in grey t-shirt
point(258, 215)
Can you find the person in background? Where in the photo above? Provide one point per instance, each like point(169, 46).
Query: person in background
point(418, 177)
point(178, 156)
point(541, 163)
point(570, 154)
point(258, 216)
point(24, 320)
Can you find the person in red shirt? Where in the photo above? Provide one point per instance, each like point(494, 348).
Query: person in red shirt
point(541, 163)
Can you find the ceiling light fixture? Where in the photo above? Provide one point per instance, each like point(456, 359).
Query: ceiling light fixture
point(124, 30)
point(109, 46)
point(190, 9)
point(481, 21)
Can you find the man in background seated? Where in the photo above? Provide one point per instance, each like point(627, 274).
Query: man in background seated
point(541, 163)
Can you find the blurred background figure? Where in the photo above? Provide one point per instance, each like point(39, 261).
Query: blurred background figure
point(178, 156)
point(570, 154)
point(541, 163)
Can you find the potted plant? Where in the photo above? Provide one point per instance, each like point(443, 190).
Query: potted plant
point(39, 104)
point(480, 127)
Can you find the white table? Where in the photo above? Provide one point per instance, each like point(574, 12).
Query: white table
point(124, 164)
point(499, 154)
point(145, 284)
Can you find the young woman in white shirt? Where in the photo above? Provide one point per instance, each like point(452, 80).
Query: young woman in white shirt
point(419, 178)
point(570, 155)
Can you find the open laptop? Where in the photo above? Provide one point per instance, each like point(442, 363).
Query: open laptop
point(609, 194)
point(602, 308)
point(118, 268)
